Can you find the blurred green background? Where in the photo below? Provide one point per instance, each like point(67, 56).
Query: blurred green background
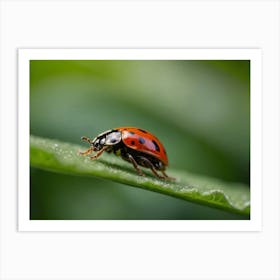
point(200, 110)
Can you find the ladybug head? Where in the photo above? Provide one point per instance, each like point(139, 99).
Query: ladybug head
point(110, 138)
point(98, 143)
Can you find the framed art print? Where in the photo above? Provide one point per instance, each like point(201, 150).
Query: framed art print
point(139, 140)
point(172, 139)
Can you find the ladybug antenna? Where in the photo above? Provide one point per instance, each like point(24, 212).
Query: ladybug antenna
point(86, 139)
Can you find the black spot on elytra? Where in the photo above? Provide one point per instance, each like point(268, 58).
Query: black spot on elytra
point(144, 131)
point(141, 140)
point(156, 145)
point(131, 132)
point(132, 142)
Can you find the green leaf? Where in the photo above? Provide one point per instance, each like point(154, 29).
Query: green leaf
point(61, 157)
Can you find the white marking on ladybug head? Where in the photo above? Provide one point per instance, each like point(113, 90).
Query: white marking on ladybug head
point(113, 138)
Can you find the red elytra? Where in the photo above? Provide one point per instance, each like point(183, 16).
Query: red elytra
point(143, 141)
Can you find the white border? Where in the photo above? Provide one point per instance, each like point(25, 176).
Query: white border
point(254, 55)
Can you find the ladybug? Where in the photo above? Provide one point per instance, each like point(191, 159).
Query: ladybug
point(135, 145)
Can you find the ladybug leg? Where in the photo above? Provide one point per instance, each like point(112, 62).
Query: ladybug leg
point(151, 166)
point(98, 154)
point(132, 160)
point(90, 150)
point(166, 176)
point(86, 152)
